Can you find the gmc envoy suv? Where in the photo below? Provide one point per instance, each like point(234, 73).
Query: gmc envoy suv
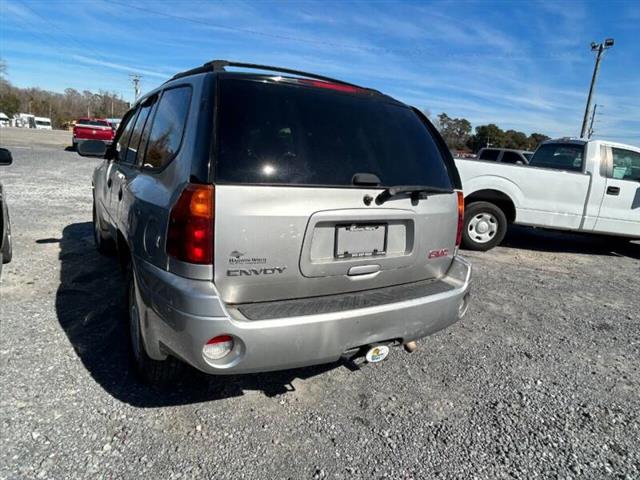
point(276, 220)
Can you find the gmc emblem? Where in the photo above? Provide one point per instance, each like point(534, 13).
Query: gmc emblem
point(438, 253)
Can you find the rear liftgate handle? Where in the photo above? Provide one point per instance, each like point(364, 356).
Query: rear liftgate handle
point(363, 270)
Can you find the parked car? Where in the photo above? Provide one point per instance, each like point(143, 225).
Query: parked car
point(570, 184)
point(42, 123)
point(92, 129)
point(6, 252)
point(314, 219)
point(505, 155)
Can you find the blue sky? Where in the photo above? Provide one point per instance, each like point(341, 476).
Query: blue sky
point(524, 65)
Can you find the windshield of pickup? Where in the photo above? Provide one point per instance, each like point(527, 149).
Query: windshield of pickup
point(559, 156)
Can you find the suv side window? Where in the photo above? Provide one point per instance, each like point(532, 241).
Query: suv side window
point(167, 130)
point(626, 164)
point(125, 134)
point(136, 133)
point(488, 154)
point(511, 157)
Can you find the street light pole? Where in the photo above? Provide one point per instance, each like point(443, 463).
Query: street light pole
point(593, 117)
point(600, 48)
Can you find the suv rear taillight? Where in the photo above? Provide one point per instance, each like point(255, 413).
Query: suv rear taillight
point(460, 218)
point(190, 234)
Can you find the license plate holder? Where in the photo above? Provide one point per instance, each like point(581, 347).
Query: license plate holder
point(360, 240)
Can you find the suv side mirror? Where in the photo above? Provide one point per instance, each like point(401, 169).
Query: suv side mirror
point(92, 148)
point(5, 157)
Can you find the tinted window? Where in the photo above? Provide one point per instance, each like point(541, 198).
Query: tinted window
point(512, 157)
point(98, 123)
point(125, 134)
point(487, 154)
point(560, 156)
point(626, 164)
point(288, 134)
point(168, 126)
point(136, 134)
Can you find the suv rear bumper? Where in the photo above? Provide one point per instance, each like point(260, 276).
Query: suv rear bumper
point(180, 315)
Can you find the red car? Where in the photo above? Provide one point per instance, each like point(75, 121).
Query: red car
point(92, 129)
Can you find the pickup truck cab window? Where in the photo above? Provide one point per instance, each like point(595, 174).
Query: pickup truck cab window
point(626, 164)
point(559, 156)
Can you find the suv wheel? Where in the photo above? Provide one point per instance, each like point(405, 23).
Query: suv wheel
point(104, 244)
point(152, 372)
point(7, 248)
point(485, 225)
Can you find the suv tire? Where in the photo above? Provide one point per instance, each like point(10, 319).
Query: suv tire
point(485, 226)
point(151, 372)
point(7, 248)
point(104, 244)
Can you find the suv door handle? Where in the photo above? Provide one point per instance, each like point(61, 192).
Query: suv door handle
point(613, 190)
point(120, 194)
point(109, 182)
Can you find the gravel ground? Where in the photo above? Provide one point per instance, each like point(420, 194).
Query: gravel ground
point(540, 380)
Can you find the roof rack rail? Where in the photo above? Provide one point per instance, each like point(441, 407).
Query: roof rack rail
point(219, 66)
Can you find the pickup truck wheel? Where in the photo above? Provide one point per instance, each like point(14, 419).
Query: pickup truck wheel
point(151, 372)
point(104, 244)
point(485, 225)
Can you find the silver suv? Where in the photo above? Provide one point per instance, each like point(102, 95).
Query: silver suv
point(272, 221)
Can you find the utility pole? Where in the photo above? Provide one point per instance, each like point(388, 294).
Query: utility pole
point(135, 78)
point(593, 117)
point(599, 48)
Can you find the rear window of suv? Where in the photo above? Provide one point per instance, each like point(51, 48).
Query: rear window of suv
point(283, 134)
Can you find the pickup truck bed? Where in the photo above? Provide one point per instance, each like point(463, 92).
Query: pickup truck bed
point(92, 129)
point(596, 190)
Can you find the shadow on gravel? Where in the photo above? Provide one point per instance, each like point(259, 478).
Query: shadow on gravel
point(536, 239)
point(90, 304)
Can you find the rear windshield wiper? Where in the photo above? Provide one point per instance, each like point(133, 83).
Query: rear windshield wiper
point(414, 190)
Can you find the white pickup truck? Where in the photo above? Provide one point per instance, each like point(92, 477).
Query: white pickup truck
point(580, 185)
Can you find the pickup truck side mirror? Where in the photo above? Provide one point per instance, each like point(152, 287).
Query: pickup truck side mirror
point(92, 148)
point(5, 157)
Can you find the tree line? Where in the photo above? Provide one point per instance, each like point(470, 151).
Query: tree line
point(60, 107)
point(458, 134)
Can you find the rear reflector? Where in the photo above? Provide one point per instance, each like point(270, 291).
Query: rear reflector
point(460, 218)
point(190, 234)
point(218, 347)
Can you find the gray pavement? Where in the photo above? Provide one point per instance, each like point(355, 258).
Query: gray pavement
point(540, 380)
